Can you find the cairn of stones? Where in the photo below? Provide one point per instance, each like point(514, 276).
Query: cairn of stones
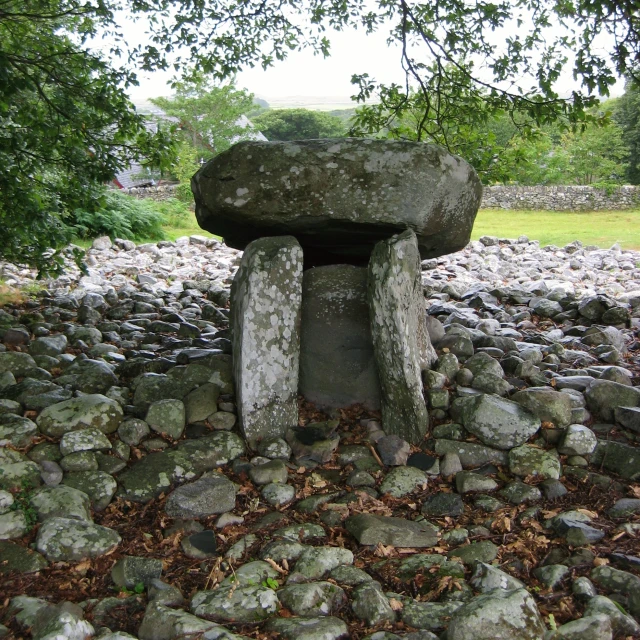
point(328, 301)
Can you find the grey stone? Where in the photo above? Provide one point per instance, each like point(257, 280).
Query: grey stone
point(15, 475)
point(156, 472)
point(596, 627)
point(370, 605)
point(527, 460)
point(79, 461)
point(61, 502)
point(482, 551)
point(14, 557)
point(486, 578)
point(93, 410)
point(98, 485)
point(350, 576)
point(400, 340)
point(471, 454)
point(325, 628)
point(583, 589)
point(61, 621)
point(622, 624)
point(604, 396)
point(48, 345)
point(132, 431)
point(275, 449)
point(546, 404)
point(500, 614)
point(316, 562)
point(337, 366)
point(17, 431)
point(207, 496)
point(402, 480)
point(624, 508)
point(393, 450)
point(167, 416)
point(244, 604)
point(443, 504)
point(277, 494)
point(551, 575)
point(468, 481)
point(163, 623)
point(273, 471)
point(628, 417)
point(312, 599)
point(316, 441)
point(90, 439)
point(16, 362)
point(578, 441)
point(397, 532)
point(51, 473)
point(617, 457)
point(67, 540)
point(495, 421)
point(131, 570)
point(518, 492)
point(160, 592)
point(13, 524)
point(202, 402)
point(432, 616)
point(370, 187)
point(223, 420)
point(265, 317)
point(251, 573)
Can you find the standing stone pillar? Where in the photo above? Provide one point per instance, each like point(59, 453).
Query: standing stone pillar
point(400, 339)
point(265, 319)
point(337, 366)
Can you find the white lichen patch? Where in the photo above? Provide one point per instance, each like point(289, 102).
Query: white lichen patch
point(266, 299)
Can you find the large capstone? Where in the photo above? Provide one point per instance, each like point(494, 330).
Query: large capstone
point(337, 367)
point(338, 197)
point(400, 340)
point(265, 317)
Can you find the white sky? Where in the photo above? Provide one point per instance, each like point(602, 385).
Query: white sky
point(306, 75)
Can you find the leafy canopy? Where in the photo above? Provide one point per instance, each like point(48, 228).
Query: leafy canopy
point(462, 60)
point(299, 124)
point(66, 125)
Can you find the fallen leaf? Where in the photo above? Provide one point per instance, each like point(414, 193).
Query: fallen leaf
point(396, 605)
point(600, 562)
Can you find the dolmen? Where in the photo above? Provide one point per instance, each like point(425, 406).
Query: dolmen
point(328, 302)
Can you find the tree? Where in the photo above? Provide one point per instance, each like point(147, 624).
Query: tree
point(506, 55)
point(597, 154)
point(299, 124)
point(209, 115)
point(66, 125)
point(627, 115)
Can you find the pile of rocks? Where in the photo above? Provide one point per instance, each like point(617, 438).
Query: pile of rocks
point(116, 388)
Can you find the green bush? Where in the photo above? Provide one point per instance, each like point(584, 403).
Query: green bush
point(121, 216)
point(175, 213)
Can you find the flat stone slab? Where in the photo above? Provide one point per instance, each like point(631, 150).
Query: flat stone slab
point(397, 532)
point(338, 197)
point(67, 540)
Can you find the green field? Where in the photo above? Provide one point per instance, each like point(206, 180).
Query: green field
point(601, 228)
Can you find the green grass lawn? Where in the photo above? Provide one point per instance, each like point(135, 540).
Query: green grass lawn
point(601, 228)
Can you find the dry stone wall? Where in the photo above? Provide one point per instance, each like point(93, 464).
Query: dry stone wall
point(560, 198)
